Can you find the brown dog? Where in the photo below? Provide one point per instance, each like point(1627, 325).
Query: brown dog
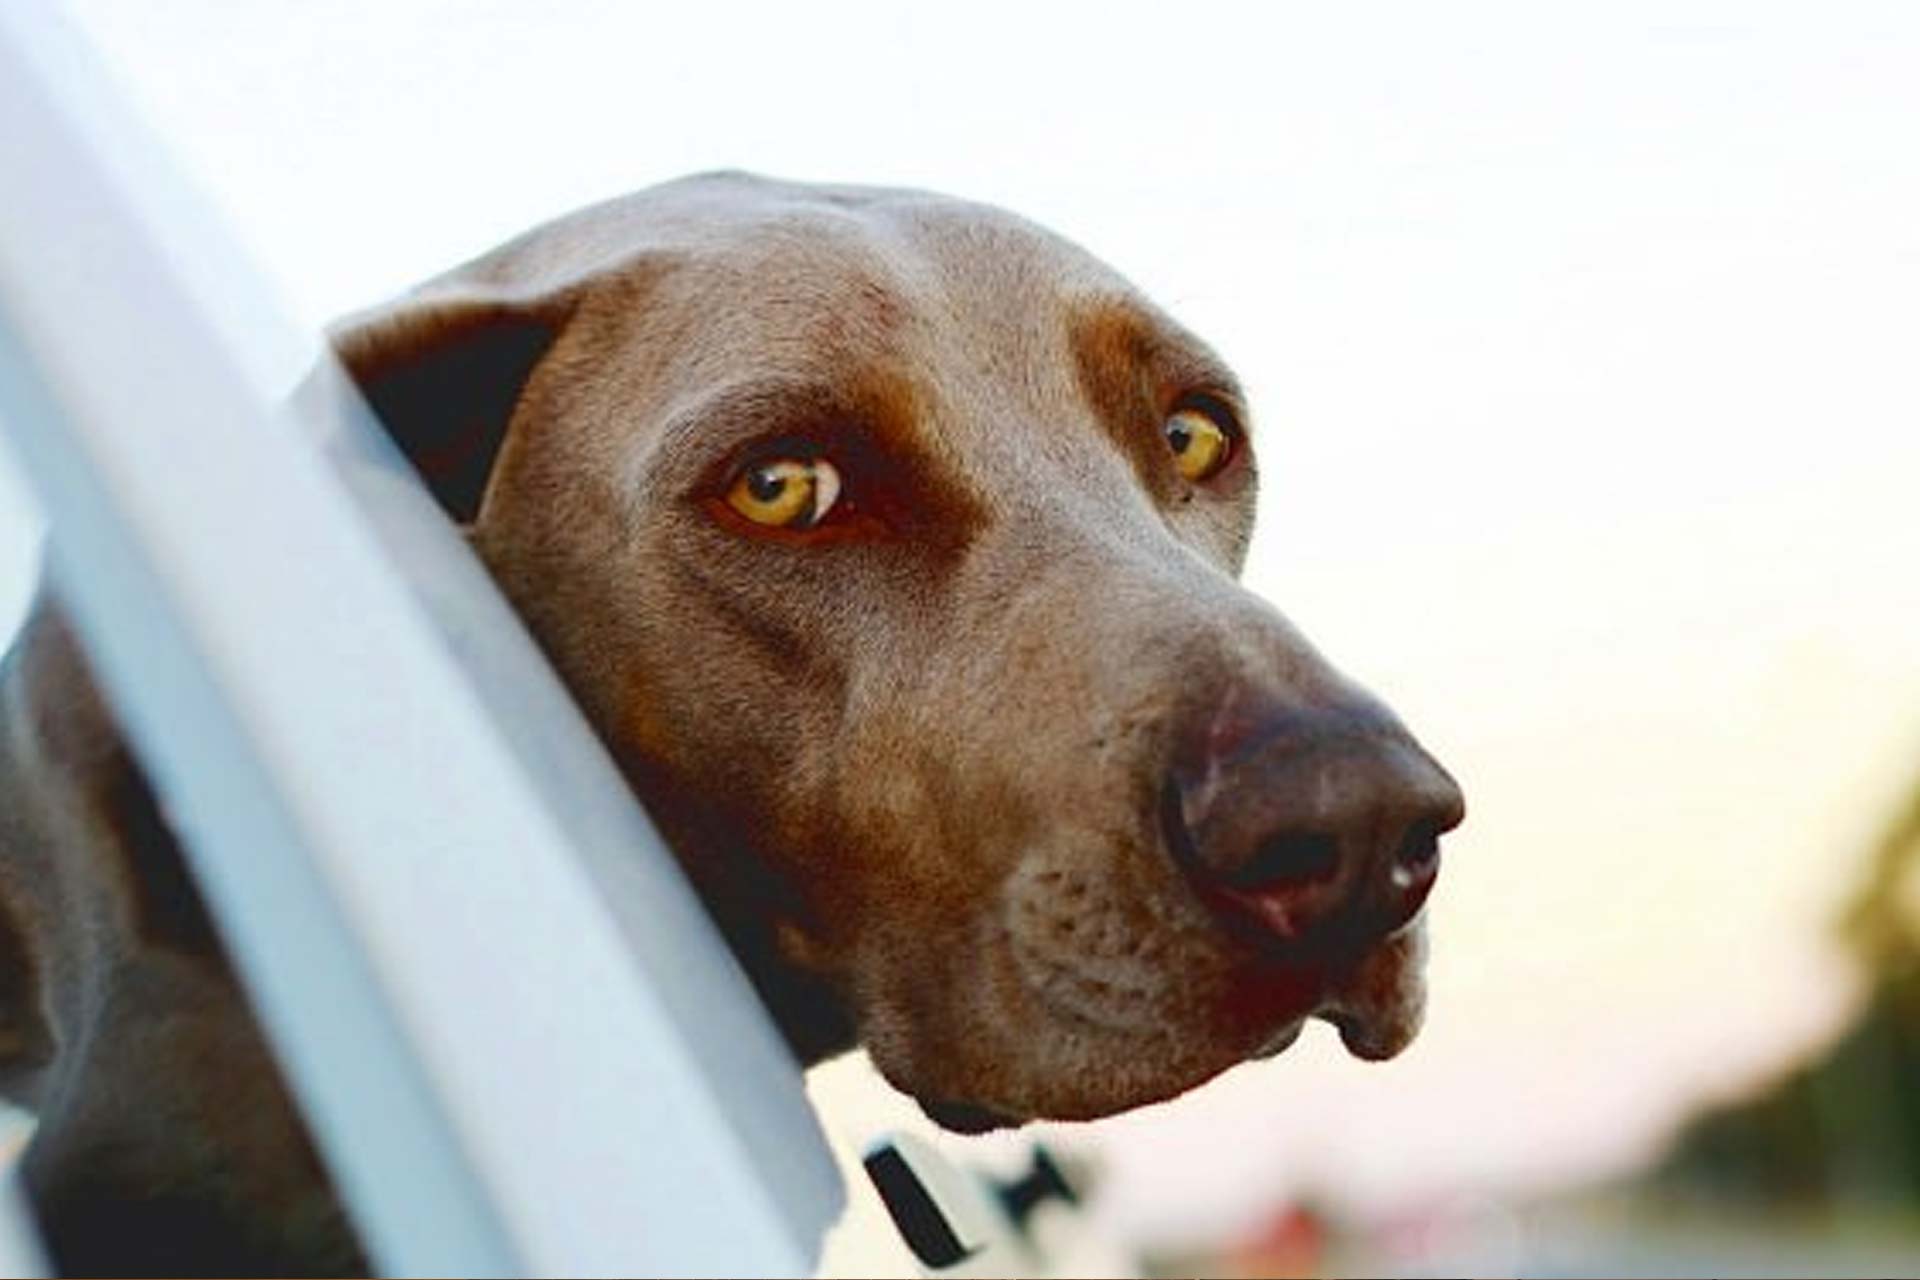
point(889, 542)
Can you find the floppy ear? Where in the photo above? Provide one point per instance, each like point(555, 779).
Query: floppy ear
point(443, 372)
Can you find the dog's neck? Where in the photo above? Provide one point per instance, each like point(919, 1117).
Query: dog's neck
point(809, 1013)
point(747, 900)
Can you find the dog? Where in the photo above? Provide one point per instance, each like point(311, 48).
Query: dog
point(890, 544)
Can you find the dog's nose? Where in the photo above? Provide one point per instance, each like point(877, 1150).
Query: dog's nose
point(1301, 822)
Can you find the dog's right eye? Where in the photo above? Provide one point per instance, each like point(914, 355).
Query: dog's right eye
point(786, 493)
point(1201, 445)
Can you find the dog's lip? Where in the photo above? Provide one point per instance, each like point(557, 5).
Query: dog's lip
point(1281, 1040)
point(1365, 1039)
point(1371, 1005)
point(966, 1117)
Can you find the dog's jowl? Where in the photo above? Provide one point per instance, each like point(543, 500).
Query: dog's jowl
point(890, 544)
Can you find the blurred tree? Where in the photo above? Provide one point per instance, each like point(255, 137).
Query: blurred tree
point(1883, 922)
point(1845, 1127)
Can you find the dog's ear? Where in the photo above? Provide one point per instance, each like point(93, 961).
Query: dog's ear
point(443, 372)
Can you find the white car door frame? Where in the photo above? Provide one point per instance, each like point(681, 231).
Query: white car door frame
point(520, 1042)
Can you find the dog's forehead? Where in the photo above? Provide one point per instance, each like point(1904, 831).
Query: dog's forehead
point(981, 312)
point(838, 274)
point(727, 307)
point(923, 238)
point(884, 266)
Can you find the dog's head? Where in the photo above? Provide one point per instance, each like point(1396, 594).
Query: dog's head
point(890, 542)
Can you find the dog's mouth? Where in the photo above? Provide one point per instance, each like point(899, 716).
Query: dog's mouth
point(1281, 1041)
point(1375, 1007)
point(968, 1117)
point(1371, 976)
point(1159, 1046)
point(1120, 991)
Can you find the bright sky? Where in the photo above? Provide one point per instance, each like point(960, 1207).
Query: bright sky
point(1584, 353)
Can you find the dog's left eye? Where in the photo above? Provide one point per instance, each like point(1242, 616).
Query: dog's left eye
point(786, 493)
point(1201, 445)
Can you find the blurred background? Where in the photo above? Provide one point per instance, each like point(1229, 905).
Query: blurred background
point(1586, 356)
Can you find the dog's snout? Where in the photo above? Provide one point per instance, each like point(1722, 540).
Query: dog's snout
point(1298, 821)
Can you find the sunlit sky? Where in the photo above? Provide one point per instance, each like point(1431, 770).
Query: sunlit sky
point(1584, 353)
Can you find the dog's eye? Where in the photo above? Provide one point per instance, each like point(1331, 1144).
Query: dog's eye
point(1201, 446)
point(787, 493)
